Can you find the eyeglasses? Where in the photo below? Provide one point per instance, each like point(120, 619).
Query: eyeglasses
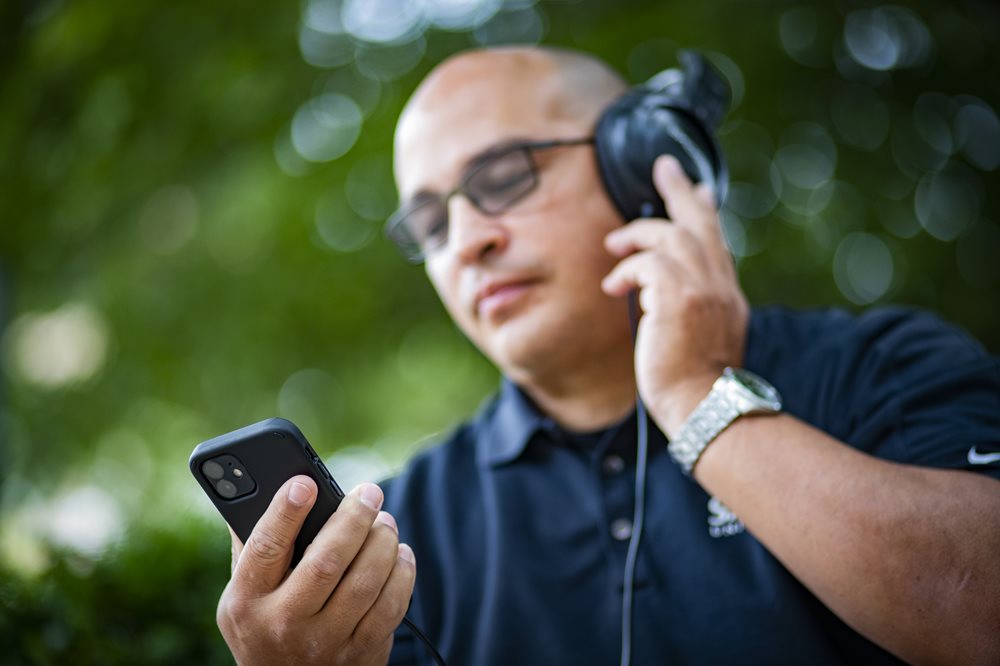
point(493, 183)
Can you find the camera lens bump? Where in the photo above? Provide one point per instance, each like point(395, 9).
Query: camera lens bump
point(212, 469)
point(226, 488)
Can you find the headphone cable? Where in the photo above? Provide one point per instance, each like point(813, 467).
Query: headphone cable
point(639, 510)
point(431, 650)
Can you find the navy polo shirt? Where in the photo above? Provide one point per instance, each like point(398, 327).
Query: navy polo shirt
point(520, 529)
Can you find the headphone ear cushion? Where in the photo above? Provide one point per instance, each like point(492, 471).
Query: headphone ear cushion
point(617, 131)
point(633, 132)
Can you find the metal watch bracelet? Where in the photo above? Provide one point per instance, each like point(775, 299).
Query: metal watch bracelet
point(712, 415)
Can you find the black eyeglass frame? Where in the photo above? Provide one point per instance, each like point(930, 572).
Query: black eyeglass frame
point(397, 231)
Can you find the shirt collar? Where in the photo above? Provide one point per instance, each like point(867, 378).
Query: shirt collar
point(509, 426)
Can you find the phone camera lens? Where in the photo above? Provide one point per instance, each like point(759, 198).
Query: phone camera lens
point(226, 488)
point(212, 470)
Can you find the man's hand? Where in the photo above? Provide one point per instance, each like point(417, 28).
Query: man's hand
point(341, 603)
point(695, 315)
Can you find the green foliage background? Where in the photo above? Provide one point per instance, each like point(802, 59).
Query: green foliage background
point(149, 181)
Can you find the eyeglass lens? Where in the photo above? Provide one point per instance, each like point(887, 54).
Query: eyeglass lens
point(492, 187)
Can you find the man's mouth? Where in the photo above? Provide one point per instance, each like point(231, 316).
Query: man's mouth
point(493, 297)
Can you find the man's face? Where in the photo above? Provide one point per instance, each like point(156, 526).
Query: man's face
point(523, 285)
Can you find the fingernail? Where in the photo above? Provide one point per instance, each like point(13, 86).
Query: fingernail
point(672, 166)
point(371, 496)
point(406, 553)
point(387, 519)
point(299, 493)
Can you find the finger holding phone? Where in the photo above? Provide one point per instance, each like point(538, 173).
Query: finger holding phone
point(343, 600)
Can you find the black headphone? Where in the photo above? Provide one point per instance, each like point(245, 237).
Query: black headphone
point(676, 112)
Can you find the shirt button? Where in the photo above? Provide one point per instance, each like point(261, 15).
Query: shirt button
point(613, 464)
point(621, 529)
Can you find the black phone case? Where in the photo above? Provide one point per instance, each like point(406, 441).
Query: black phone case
point(272, 452)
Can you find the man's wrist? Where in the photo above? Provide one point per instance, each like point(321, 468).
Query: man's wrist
point(679, 401)
point(735, 393)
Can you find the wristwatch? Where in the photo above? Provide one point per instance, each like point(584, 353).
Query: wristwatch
point(735, 393)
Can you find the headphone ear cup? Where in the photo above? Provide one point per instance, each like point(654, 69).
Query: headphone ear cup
point(625, 168)
point(632, 133)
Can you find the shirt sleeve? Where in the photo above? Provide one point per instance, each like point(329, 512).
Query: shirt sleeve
point(925, 393)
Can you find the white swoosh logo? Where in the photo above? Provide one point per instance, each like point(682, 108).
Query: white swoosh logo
point(977, 458)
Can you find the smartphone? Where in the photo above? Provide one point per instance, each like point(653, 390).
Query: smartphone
point(242, 470)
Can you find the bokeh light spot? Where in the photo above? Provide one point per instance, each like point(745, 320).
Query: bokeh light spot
point(804, 166)
point(525, 25)
point(977, 133)
point(326, 127)
point(887, 37)
point(460, 14)
point(323, 16)
point(863, 268)
point(947, 202)
point(807, 202)
point(364, 90)
point(807, 156)
point(750, 200)
point(798, 30)
point(913, 155)
point(369, 189)
point(321, 49)
point(85, 519)
point(932, 116)
point(383, 21)
point(338, 226)
point(63, 347)
point(388, 62)
point(287, 158)
point(897, 217)
point(871, 40)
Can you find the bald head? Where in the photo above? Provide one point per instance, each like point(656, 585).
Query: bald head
point(519, 88)
point(564, 83)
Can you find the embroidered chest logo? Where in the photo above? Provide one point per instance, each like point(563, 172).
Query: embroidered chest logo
point(721, 521)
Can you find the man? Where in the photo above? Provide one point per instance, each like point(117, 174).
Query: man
point(800, 537)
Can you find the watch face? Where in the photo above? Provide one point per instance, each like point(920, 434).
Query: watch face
point(756, 385)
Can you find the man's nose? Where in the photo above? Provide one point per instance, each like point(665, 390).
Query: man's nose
point(472, 234)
